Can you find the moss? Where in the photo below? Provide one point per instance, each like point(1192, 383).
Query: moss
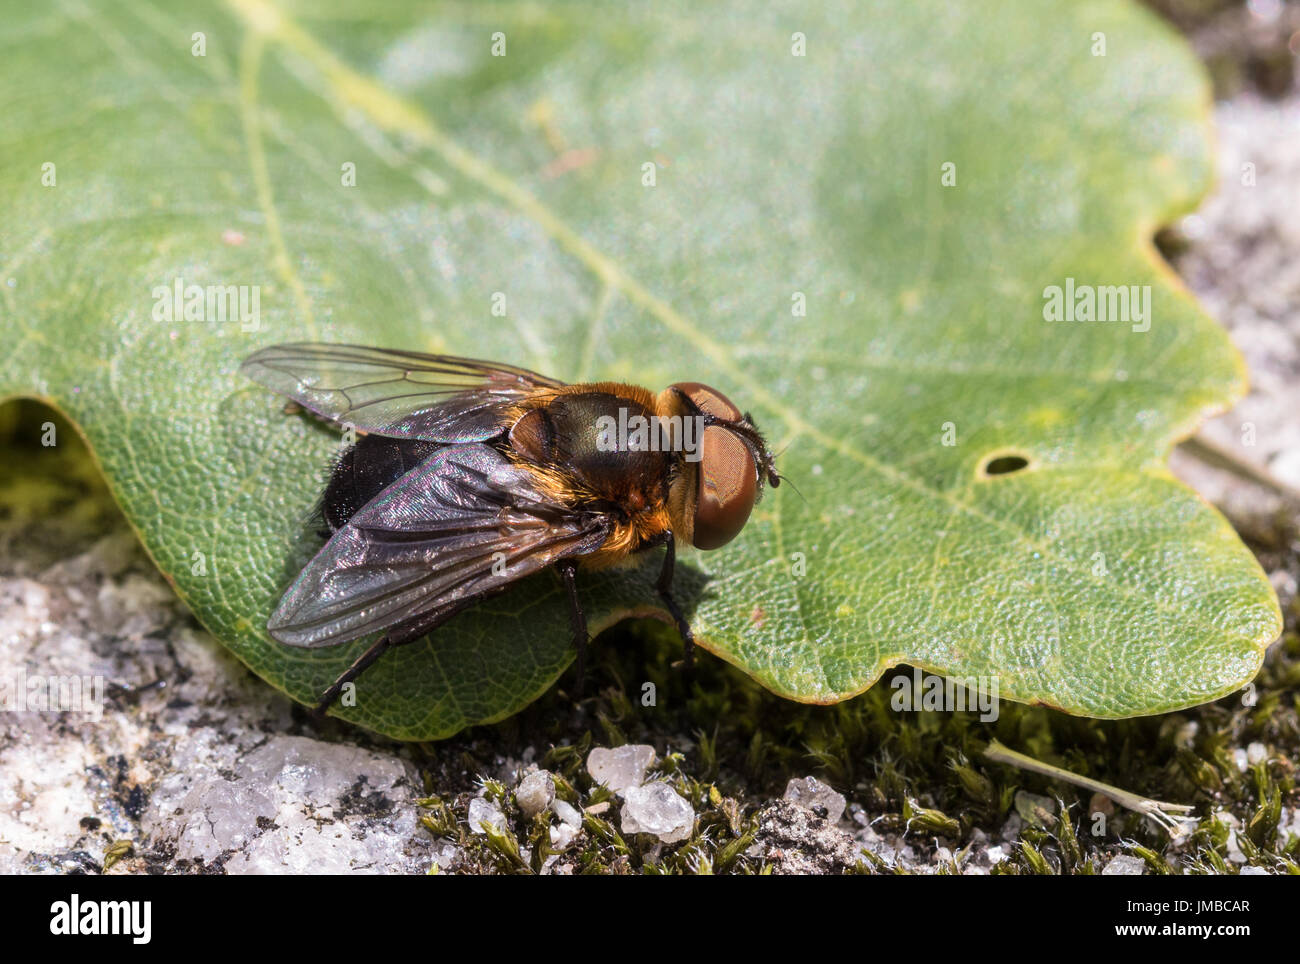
point(729, 747)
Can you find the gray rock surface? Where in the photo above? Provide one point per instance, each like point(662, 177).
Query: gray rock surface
point(1242, 259)
point(797, 841)
point(187, 756)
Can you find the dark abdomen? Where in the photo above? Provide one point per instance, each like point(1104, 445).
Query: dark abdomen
point(365, 470)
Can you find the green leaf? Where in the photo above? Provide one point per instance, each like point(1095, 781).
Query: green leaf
point(1090, 579)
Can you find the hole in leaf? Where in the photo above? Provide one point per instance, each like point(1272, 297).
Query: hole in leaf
point(1004, 464)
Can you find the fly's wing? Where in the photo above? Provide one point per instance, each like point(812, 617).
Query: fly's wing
point(403, 394)
point(464, 522)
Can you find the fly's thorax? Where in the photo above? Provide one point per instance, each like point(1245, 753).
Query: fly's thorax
point(601, 437)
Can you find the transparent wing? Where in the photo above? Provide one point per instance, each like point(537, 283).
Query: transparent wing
point(403, 394)
point(463, 523)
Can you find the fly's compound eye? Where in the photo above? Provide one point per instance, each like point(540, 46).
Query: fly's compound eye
point(727, 487)
point(710, 401)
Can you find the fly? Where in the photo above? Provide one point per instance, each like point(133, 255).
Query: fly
point(471, 475)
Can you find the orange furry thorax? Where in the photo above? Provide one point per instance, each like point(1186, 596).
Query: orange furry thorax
point(644, 500)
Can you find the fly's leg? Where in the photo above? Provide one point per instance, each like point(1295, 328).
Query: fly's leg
point(665, 588)
point(402, 633)
point(577, 618)
point(362, 663)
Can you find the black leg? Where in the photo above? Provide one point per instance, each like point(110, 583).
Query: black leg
point(398, 635)
point(352, 672)
point(666, 594)
point(577, 618)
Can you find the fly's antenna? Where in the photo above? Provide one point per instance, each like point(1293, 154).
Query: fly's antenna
point(775, 478)
point(786, 480)
point(764, 457)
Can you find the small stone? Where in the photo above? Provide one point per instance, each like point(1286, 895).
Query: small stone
point(1099, 803)
point(1186, 734)
point(656, 808)
point(562, 835)
point(568, 814)
point(444, 857)
point(1289, 823)
point(1252, 872)
point(1235, 854)
point(811, 794)
point(485, 811)
point(621, 768)
point(1256, 753)
point(1240, 758)
point(1125, 865)
point(535, 793)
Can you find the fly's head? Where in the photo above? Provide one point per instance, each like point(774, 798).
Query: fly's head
point(717, 483)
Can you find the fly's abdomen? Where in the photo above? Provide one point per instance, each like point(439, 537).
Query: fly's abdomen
point(365, 470)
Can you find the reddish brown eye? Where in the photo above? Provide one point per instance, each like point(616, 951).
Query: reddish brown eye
point(710, 400)
point(728, 485)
